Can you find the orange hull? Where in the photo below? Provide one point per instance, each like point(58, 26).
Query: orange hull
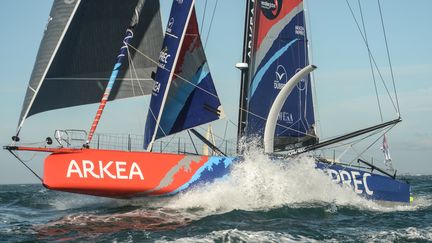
point(127, 174)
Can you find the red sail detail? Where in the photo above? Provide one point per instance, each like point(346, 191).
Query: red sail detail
point(192, 41)
point(264, 24)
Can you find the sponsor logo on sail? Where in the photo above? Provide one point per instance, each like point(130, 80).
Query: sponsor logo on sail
point(117, 170)
point(163, 57)
point(300, 30)
point(156, 87)
point(301, 86)
point(271, 8)
point(281, 77)
point(286, 117)
point(250, 30)
point(170, 25)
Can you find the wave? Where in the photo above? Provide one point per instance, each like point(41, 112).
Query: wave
point(398, 235)
point(235, 235)
point(259, 183)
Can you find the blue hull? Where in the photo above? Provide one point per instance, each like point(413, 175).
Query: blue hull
point(365, 183)
point(369, 185)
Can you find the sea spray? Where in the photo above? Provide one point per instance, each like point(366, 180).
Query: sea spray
point(30, 213)
point(259, 182)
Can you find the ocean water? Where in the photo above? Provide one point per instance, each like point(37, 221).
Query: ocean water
point(262, 201)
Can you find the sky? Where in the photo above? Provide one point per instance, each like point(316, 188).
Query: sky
point(345, 95)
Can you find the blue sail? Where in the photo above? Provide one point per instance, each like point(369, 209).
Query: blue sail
point(279, 50)
point(184, 95)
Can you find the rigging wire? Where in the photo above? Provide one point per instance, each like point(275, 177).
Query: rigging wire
point(313, 74)
point(225, 133)
point(193, 143)
point(214, 135)
point(341, 144)
point(169, 142)
point(187, 81)
point(358, 156)
point(353, 143)
point(131, 75)
point(28, 167)
point(233, 123)
point(211, 23)
point(287, 128)
point(370, 62)
point(142, 91)
point(373, 59)
point(203, 17)
point(373, 143)
point(138, 120)
point(135, 72)
point(388, 56)
point(180, 77)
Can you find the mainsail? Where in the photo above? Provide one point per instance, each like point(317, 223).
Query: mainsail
point(278, 50)
point(184, 95)
point(78, 48)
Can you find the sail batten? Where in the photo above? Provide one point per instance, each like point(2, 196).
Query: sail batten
point(86, 36)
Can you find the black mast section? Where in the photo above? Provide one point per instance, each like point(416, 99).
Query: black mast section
point(244, 85)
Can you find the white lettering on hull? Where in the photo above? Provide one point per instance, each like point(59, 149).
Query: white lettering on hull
point(349, 179)
point(121, 170)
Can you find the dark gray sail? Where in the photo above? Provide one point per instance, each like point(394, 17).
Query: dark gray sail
point(79, 47)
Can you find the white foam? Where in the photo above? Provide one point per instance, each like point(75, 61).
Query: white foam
point(410, 233)
point(66, 201)
point(259, 183)
point(235, 235)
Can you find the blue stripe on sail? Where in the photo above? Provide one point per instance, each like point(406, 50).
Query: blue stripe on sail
point(200, 108)
point(260, 74)
point(172, 109)
point(202, 73)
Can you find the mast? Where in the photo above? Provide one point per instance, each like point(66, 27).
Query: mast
point(119, 62)
point(244, 84)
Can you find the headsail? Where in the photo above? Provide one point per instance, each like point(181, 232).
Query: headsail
point(184, 95)
point(279, 50)
point(76, 54)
